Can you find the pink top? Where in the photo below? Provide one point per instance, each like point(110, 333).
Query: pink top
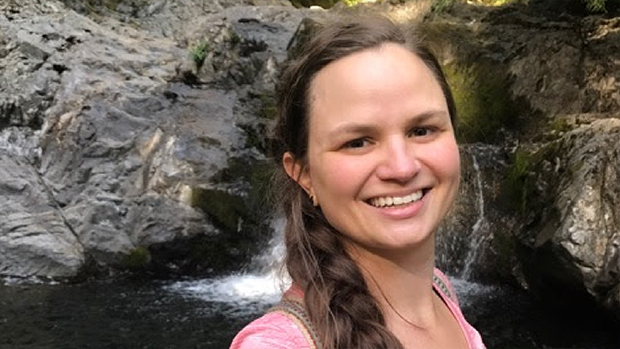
point(277, 331)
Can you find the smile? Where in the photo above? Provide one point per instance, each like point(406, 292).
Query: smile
point(388, 201)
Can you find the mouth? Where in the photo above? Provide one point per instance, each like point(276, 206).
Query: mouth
point(393, 201)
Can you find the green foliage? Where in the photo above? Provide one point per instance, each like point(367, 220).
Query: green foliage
point(138, 258)
point(442, 5)
point(198, 53)
point(483, 101)
point(596, 5)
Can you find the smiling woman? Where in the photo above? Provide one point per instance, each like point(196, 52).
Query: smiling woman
point(365, 139)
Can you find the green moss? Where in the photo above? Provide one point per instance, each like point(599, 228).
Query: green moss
point(241, 215)
point(268, 108)
point(559, 125)
point(484, 105)
point(225, 209)
point(441, 5)
point(229, 209)
point(139, 258)
point(518, 182)
point(233, 38)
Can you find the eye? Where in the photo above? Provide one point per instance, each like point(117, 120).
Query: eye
point(356, 143)
point(420, 131)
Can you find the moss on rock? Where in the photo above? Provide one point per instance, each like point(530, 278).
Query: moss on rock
point(138, 259)
point(483, 101)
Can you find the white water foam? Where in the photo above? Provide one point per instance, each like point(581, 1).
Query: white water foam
point(468, 292)
point(32, 280)
point(262, 285)
point(238, 289)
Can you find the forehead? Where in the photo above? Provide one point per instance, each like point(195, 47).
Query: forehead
point(388, 73)
point(368, 67)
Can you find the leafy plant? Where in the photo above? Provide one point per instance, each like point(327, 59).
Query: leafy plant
point(595, 5)
point(198, 54)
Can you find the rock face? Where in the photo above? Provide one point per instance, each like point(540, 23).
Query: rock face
point(572, 241)
point(117, 150)
point(133, 135)
point(550, 179)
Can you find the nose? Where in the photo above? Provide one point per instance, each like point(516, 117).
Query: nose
point(399, 161)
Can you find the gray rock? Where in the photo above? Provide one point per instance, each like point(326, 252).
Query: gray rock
point(34, 238)
point(574, 240)
point(137, 152)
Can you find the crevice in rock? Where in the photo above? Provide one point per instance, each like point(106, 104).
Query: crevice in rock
point(50, 194)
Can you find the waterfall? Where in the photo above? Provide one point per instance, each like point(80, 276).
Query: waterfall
point(476, 236)
point(248, 291)
point(261, 285)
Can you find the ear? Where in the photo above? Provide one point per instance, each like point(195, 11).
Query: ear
point(297, 172)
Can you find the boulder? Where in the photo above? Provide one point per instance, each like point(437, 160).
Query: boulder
point(569, 245)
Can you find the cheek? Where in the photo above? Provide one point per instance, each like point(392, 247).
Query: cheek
point(336, 177)
point(447, 160)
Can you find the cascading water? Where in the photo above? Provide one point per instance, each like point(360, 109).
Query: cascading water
point(477, 238)
point(251, 290)
point(469, 246)
point(248, 291)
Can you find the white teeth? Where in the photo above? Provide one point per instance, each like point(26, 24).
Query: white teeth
point(394, 201)
point(382, 202)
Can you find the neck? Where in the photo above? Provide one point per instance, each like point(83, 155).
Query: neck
point(401, 282)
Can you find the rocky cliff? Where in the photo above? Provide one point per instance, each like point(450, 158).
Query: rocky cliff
point(549, 164)
point(132, 136)
point(120, 148)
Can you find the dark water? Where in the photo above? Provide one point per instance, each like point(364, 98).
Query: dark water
point(163, 314)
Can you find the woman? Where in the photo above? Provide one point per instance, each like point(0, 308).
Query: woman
point(366, 140)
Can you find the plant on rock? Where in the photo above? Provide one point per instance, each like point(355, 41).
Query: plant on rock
point(198, 53)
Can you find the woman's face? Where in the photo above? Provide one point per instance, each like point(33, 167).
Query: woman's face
point(382, 159)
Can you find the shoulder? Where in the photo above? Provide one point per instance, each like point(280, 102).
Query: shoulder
point(273, 330)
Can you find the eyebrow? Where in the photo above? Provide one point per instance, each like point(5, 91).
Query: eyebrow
point(354, 127)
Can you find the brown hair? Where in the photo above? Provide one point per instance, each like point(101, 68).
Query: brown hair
point(337, 298)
